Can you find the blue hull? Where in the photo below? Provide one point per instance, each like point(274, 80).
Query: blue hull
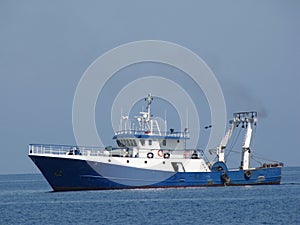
point(73, 174)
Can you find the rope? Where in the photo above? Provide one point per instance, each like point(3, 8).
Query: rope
point(236, 136)
point(263, 158)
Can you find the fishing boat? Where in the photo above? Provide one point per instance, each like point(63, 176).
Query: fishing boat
point(147, 157)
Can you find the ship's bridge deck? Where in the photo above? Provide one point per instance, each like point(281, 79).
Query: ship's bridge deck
point(147, 134)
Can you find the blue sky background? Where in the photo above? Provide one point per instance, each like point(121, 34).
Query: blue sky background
point(45, 46)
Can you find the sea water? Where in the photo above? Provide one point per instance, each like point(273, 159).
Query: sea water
point(28, 199)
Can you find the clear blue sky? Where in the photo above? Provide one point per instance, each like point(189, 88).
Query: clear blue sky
point(45, 46)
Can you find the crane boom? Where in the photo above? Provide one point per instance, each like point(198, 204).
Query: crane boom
point(223, 144)
point(245, 118)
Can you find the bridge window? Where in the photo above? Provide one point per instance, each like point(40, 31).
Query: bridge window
point(150, 142)
point(142, 142)
point(134, 143)
point(164, 142)
point(130, 142)
point(120, 144)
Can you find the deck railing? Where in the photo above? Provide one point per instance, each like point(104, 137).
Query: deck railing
point(42, 149)
point(183, 153)
point(65, 150)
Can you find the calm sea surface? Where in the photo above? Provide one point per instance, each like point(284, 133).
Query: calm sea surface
point(28, 199)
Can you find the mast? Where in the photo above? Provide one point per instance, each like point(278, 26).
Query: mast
point(149, 101)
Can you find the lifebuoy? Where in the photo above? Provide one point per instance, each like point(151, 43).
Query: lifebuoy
point(160, 153)
point(167, 155)
point(150, 155)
